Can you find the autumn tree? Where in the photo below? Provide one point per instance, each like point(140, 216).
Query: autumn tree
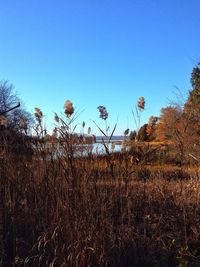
point(167, 124)
point(173, 127)
point(151, 127)
point(142, 133)
point(191, 112)
point(181, 125)
point(132, 135)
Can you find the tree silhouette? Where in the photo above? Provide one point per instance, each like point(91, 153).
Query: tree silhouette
point(17, 119)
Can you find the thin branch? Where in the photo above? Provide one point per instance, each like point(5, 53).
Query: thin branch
point(6, 111)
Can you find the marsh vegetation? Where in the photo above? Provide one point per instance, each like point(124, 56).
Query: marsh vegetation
point(139, 207)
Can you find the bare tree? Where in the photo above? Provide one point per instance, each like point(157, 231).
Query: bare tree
point(17, 119)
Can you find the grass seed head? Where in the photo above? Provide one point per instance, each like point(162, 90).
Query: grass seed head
point(141, 103)
point(68, 108)
point(103, 112)
point(38, 115)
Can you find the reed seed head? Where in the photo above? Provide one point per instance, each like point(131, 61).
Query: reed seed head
point(103, 112)
point(141, 103)
point(68, 108)
point(38, 115)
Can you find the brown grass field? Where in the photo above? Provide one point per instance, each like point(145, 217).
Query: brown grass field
point(98, 211)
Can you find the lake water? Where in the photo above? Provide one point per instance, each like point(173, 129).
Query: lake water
point(84, 150)
point(99, 148)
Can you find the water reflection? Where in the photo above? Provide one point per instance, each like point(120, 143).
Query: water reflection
point(85, 150)
point(99, 148)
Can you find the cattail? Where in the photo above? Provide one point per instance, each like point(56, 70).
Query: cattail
point(68, 107)
point(103, 112)
point(56, 118)
point(38, 115)
point(141, 103)
point(3, 121)
point(83, 124)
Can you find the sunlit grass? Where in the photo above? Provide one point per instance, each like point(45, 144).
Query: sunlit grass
point(117, 209)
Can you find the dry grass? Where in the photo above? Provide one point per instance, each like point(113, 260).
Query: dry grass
point(98, 211)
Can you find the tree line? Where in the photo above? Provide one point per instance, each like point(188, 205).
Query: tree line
point(177, 123)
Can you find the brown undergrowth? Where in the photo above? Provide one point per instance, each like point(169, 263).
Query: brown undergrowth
point(114, 210)
point(63, 213)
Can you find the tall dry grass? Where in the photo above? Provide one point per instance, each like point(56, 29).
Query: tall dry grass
point(73, 211)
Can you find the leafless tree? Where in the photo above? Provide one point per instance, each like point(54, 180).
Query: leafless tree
point(18, 119)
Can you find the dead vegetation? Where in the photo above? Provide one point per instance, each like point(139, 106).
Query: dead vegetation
point(139, 207)
point(68, 211)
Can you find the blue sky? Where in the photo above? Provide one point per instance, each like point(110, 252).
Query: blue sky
point(99, 53)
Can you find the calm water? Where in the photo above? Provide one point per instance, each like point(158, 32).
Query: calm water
point(85, 150)
point(90, 149)
point(99, 148)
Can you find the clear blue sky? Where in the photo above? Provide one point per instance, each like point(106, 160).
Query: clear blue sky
point(98, 52)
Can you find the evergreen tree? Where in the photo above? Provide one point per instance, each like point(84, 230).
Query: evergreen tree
point(194, 95)
point(142, 134)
